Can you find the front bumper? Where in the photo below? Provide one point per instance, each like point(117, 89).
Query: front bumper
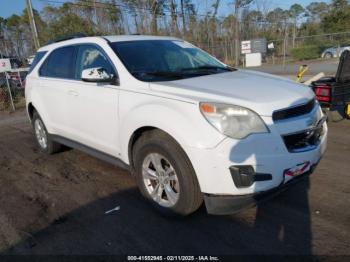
point(265, 154)
point(226, 205)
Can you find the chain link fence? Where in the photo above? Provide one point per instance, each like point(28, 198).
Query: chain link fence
point(285, 49)
point(12, 90)
point(309, 47)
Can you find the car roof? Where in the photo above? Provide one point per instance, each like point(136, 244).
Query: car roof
point(99, 39)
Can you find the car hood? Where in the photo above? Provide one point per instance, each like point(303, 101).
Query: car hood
point(263, 93)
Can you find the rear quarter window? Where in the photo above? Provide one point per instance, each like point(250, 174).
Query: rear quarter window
point(37, 59)
point(60, 63)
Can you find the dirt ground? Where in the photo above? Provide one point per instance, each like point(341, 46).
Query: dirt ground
point(56, 205)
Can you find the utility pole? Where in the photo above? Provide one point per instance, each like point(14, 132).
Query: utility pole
point(237, 6)
point(32, 24)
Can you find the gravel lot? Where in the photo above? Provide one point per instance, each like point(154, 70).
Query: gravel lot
point(56, 204)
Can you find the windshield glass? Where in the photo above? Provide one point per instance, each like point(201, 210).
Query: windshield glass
point(165, 60)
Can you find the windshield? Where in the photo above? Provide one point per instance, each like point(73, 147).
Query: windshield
point(166, 60)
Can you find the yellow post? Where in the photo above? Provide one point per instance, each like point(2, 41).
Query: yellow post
point(302, 70)
point(347, 111)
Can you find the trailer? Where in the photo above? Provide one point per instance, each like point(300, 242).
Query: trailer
point(333, 93)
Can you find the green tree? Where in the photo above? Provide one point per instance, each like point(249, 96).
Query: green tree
point(339, 5)
point(14, 26)
point(65, 20)
point(338, 19)
point(316, 11)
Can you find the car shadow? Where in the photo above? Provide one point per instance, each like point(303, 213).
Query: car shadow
point(280, 226)
point(282, 223)
point(288, 219)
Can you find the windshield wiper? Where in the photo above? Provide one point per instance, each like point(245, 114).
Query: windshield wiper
point(183, 73)
point(208, 68)
point(162, 74)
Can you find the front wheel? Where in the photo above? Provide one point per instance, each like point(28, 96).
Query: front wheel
point(165, 175)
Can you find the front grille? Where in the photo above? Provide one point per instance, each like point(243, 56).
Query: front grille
point(294, 111)
point(305, 140)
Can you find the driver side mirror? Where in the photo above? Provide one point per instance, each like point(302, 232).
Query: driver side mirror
point(97, 75)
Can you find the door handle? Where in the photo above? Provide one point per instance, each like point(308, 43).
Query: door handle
point(73, 92)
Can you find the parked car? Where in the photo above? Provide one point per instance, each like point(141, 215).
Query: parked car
point(334, 51)
point(187, 126)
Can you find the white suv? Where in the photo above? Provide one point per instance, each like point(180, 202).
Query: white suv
point(186, 125)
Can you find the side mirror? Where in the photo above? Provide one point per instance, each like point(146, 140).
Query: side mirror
point(97, 75)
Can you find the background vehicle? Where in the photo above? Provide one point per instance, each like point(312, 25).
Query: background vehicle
point(334, 51)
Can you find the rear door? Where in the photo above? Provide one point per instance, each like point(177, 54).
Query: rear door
point(57, 77)
point(93, 107)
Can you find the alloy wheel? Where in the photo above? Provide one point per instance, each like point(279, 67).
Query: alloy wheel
point(160, 180)
point(40, 133)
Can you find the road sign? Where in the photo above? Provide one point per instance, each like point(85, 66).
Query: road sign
point(246, 47)
point(259, 45)
point(5, 65)
point(271, 46)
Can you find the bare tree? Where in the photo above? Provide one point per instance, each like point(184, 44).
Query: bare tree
point(183, 18)
point(238, 5)
point(173, 11)
point(216, 7)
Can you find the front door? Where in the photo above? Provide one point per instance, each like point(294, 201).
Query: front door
point(93, 107)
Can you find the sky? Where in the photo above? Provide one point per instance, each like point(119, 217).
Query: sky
point(9, 7)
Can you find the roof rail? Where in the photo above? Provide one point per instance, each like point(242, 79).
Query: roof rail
point(68, 37)
point(105, 39)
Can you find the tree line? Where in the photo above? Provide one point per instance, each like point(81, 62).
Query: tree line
point(201, 24)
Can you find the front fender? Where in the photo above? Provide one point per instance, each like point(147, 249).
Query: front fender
point(181, 120)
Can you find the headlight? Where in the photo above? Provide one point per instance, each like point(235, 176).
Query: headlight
point(233, 121)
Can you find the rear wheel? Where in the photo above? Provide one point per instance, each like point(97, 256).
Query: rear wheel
point(328, 55)
point(165, 175)
point(43, 138)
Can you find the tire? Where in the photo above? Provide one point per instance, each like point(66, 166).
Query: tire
point(181, 194)
point(328, 55)
point(43, 138)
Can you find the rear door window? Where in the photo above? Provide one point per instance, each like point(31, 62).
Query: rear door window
point(37, 59)
point(60, 63)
